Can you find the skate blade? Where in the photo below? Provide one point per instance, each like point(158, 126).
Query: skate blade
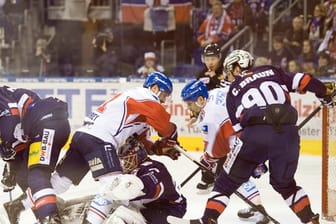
point(176, 220)
point(202, 192)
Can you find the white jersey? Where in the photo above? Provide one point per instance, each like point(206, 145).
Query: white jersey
point(214, 123)
point(126, 114)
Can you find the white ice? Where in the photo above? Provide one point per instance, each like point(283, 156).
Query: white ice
point(308, 176)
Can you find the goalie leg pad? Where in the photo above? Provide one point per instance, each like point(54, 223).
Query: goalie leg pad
point(129, 216)
point(123, 187)
point(99, 209)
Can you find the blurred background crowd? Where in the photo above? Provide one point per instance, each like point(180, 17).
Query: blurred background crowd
point(130, 38)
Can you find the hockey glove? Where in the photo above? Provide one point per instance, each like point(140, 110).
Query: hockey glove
point(260, 170)
point(329, 100)
point(8, 179)
point(7, 152)
point(209, 162)
point(165, 146)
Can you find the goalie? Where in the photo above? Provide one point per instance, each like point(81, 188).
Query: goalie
point(145, 193)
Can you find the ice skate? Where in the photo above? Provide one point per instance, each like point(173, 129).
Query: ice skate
point(204, 188)
point(251, 214)
point(52, 219)
point(315, 219)
point(14, 209)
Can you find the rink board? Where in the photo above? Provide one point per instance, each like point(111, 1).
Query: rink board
point(85, 94)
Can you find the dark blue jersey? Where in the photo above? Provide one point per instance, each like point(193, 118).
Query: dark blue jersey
point(160, 189)
point(253, 90)
point(26, 107)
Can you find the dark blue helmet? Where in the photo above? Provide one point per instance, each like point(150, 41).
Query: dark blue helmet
point(193, 89)
point(159, 79)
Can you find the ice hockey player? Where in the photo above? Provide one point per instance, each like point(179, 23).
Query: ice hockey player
point(217, 131)
point(93, 146)
point(147, 187)
point(32, 134)
point(212, 76)
point(259, 107)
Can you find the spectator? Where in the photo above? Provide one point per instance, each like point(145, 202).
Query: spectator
point(262, 61)
point(216, 28)
point(279, 55)
point(42, 55)
point(307, 57)
point(106, 59)
point(294, 36)
point(324, 67)
point(150, 65)
point(102, 42)
point(293, 66)
point(332, 48)
point(240, 14)
point(259, 10)
point(316, 26)
point(331, 15)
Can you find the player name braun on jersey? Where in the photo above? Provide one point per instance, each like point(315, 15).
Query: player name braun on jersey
point(252, 78)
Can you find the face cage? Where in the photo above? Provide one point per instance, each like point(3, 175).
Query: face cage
point(129, 163)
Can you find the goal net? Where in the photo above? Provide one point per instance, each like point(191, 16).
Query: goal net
point(329, 163)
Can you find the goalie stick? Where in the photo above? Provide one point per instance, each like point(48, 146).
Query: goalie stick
point(182, 151)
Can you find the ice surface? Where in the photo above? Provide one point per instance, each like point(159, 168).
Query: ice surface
point(308, 176)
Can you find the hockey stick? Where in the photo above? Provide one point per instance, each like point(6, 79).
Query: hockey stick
point(303, 122)
point(189, 177)
point(201, 166)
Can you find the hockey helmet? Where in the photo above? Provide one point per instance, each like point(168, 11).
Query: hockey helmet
point(131, 154)
point(238, 57)
point(212, 50)
point(159, 79)
point(193, 89)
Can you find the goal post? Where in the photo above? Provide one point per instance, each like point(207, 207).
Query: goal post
point(329, 163)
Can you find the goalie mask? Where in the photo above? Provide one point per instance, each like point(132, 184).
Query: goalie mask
point(131, 154)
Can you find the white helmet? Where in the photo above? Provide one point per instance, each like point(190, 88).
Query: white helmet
point(240, 57)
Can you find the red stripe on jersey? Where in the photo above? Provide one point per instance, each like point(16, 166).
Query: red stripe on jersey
point(154, 113)
point(26, 104)
point(303, 83)
point(221, 145)
point(157, 191)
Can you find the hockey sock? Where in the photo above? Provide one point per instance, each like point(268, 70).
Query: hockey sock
point(300, 204)
point(215, 206)
point(250, 191)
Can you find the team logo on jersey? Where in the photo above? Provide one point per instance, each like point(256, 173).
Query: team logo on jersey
point(95, 164)
point(40, 152)
point(205, 129)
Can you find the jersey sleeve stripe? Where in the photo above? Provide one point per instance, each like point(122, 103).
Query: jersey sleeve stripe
point(296, 80)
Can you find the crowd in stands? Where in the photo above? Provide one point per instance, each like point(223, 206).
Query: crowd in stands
point(111, 48)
